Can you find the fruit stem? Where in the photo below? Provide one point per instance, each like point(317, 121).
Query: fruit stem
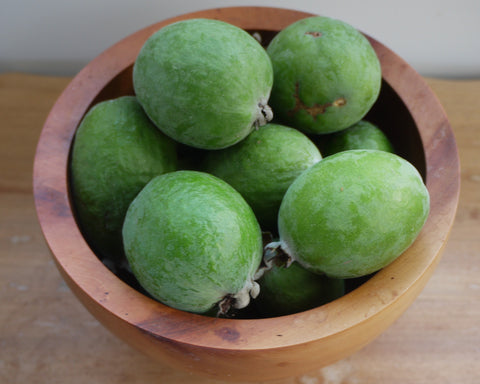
point(264, 115)
point(274, 253)
point(242, 297)
point(239, 300)
point(224, 306)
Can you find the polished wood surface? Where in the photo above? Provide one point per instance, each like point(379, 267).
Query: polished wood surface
point(46, 335)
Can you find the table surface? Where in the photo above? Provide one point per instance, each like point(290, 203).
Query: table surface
point(47, 336)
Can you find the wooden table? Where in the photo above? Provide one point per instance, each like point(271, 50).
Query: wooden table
point(46, 335)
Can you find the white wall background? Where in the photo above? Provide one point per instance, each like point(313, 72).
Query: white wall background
point(58, 37)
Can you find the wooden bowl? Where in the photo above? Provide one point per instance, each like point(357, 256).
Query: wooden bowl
point(249, 349)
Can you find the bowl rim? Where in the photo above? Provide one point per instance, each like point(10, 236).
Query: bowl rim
point(93, 282)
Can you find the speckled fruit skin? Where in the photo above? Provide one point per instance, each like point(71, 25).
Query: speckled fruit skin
point(362, 135)
point(117, 150)
point(263, 166)
point(327, 75)
point(204, 82)
point(191, 240)
point(353, 213)
point(292, 289)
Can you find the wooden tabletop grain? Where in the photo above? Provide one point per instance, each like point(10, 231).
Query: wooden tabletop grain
point(46, 335)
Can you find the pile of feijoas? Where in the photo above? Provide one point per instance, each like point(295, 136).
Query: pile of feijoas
point(245, 178)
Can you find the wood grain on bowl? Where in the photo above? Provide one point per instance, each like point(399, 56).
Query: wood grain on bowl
point(273, 347)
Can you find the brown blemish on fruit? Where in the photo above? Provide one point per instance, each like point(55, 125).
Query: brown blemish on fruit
point(314, 33)
point(316, 109)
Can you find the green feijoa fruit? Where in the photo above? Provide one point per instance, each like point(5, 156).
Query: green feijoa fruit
point(353, 213)
point(116, 151)
point(361, 135)
point(327, 75)
point(205, 83)
point(193, 242)
point(263, 166)
point(287, 290)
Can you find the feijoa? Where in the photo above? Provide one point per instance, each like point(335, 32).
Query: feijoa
point(285, 290)
point(205, 83)
point(193, 242)
point(361, 135)
point(353, 213)
point(327, 75)
point(263, 166)
point(116, 152)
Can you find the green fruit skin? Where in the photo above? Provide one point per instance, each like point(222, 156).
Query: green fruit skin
point(116, 151)
point(362, 135)
point(293, 289)
point(320, 60)
point(263, 166)
point(353, 213)
point(191, 239)
point(201, 82)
